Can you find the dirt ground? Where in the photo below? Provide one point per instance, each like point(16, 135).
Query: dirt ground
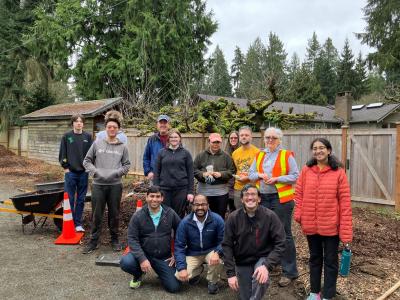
point(33, 266)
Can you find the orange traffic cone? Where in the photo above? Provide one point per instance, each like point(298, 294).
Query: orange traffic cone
point(126, 251)
point(139, 204)
point(68, 235)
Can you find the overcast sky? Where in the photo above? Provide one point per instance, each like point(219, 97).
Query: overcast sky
point(240, 22)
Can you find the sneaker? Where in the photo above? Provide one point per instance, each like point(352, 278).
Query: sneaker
point(116, 246)
point(284, 281)
point(79, 229)
point(195, 280)
point(213, 288)
point(135, 284)
point(90, 248)
point(314, 296)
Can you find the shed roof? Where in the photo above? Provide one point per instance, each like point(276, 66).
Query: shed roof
point(66, 110)
point(323, 113)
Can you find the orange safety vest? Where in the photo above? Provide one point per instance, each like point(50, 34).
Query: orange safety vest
point(281, 168)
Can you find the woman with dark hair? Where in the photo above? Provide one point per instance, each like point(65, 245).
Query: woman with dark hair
point(232, 145)
point(174, 173)
point(323, 209)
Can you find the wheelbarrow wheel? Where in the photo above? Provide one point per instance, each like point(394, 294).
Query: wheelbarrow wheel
point(58, 222)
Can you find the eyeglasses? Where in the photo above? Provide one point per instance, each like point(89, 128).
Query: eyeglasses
point(272, 138)
point(233, 138)
point(318, 148)
point(200, 204)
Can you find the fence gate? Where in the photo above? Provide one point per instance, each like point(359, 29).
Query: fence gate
point(372, 165)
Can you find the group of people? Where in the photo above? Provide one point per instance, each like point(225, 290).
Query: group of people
point(182, 228)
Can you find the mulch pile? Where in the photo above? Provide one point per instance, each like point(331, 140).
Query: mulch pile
point(14, 165)
point(375, 261)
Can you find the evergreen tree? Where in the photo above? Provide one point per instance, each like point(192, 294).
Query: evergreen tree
point(294, 66)
point(360, 79)
point(312, 52)
point(253, 80)
point(346, 73)
point(236, 68)
point(275, 58)
point(382, 33)
point(325, 70)
point(304, 88)
point(218, 79)
point(126, 47)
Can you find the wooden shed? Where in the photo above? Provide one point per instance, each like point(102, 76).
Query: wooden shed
point(47, 125)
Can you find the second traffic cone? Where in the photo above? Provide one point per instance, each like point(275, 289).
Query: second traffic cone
point(68, 235)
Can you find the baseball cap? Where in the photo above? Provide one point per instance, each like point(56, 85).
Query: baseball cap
point(215, 137)
point(163, 117)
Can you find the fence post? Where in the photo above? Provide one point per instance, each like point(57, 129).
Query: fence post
point(397, 174)
point(344, 146)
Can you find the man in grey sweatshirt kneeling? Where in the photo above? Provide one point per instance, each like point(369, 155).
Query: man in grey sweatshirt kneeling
point(107, 161)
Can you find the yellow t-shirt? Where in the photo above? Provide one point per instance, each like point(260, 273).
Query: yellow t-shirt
point(243, 160)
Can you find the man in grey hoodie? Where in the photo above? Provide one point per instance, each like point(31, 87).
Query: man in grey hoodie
point(107, 161)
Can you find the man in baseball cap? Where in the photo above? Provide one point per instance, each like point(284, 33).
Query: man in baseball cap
point(154, 144)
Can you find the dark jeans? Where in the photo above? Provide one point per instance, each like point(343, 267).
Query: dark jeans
point(177, 200)
point(102, 195)
point(249, 288)
point(76, 184)
point(165, 273)
point(284, 212)
point(219, 204)
point(323, 250)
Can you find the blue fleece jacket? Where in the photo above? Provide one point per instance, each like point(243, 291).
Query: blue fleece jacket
point(153, 146)
point(187, 241)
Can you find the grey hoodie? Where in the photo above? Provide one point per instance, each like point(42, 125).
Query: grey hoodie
point(106, 162)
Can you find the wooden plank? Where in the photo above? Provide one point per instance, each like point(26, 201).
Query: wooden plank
point(371, 169)
point(372, 200)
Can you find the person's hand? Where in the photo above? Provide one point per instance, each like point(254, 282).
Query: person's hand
point(66, 170)
point(272, 180)
point(233, 283)
point(263, 176)
point(216, 174)
point(214, 259)
point(150, 176)
point(190, 197)
point(243, 178)
point(183, 275)
point(261, 274)
point(145, 266)
point(171, 261)
point(207, 174)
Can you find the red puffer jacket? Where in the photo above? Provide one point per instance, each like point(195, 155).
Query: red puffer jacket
point(323, 203)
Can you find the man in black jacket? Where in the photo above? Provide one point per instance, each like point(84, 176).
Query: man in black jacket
point(150, 240)
point(254, 241)
point(73, 148)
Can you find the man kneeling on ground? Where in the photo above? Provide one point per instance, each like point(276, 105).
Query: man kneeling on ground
point(254, 243)
point(150, 234)
point(198, 240)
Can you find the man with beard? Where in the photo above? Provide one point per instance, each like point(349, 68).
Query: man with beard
point(150, 235)
point(243, 158)
point(154, 144)
point(253, 244)
point(198, 240)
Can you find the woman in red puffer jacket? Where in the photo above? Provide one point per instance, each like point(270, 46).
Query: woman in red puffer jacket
point(323, 209)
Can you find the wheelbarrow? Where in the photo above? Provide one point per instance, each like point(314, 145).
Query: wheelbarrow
point(42, 203)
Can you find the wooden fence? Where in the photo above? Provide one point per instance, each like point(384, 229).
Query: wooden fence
point(370, 156)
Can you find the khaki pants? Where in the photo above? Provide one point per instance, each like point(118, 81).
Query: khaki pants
point(194, 267)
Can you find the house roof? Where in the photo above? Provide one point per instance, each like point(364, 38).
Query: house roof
point(66, 110)
point(376, 114)
point(323, 113)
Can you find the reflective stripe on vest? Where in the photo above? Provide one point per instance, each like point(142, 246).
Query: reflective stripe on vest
point(281, 168)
